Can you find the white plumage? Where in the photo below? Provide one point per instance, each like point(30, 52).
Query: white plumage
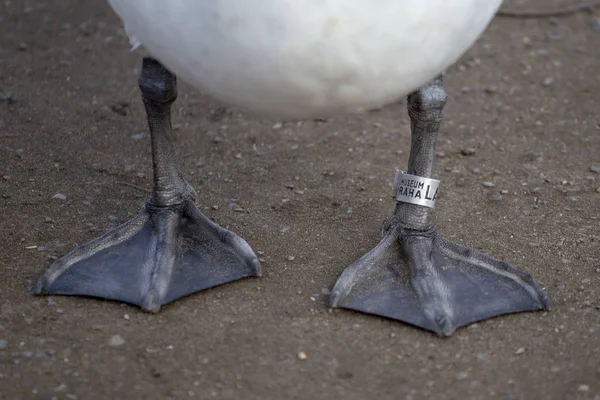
point(306, 58)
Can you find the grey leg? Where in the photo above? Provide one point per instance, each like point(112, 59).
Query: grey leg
point(425, 109)
point(170, 249)
point(417, 276)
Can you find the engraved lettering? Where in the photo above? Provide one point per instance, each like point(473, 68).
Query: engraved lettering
point(427, 193)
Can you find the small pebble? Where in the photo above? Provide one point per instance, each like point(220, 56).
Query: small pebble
point(595, 168)
point(302, 356)
point(139, 136)
point(291, 258)
point(496, 197)
point(461, 376)
point(112, 218)
point(488, 184)
point(3, 344)
point(116, 340)
point(60, 388)
point(476, 170)
point(277, 126)
point(520, 350)
point(60, 196)
point(548, 81)
point(469, 151)
point(126, 316)
point(583, 388)
point(121, 108)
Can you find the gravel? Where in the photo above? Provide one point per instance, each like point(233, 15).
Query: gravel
point(116, 340)
point(469, 151)
point(59, 196)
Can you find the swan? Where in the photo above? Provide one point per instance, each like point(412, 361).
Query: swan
point(295, 59)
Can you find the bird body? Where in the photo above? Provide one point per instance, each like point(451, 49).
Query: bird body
point(305, 58)
point(299, 59)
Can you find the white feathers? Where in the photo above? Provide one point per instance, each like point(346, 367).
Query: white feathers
point(305, 58)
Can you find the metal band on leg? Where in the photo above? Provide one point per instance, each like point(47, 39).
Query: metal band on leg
point(415, 189)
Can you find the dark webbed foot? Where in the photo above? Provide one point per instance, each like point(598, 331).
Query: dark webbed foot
point(170, 249)
point(160, 255)
point(425, 280)
point(417, 276)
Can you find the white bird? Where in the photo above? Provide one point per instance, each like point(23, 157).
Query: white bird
point(300, 59)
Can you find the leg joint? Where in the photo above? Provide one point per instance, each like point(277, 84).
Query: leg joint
point(158, 84)
point(430, 97)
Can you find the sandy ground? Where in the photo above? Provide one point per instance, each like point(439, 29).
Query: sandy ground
point(526, 98)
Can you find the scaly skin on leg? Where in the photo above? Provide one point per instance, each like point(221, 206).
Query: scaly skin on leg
point(170, 249)
point(417, 276)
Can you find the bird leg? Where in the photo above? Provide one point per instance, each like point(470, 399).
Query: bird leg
point(170, 249)
point(414, 274)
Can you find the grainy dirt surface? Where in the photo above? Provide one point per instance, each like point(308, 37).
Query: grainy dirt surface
point(526, 98)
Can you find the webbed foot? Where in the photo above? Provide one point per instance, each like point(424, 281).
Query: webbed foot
point(414, 274)
point(170, 249)
point(423, 279)
point(160, 255)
